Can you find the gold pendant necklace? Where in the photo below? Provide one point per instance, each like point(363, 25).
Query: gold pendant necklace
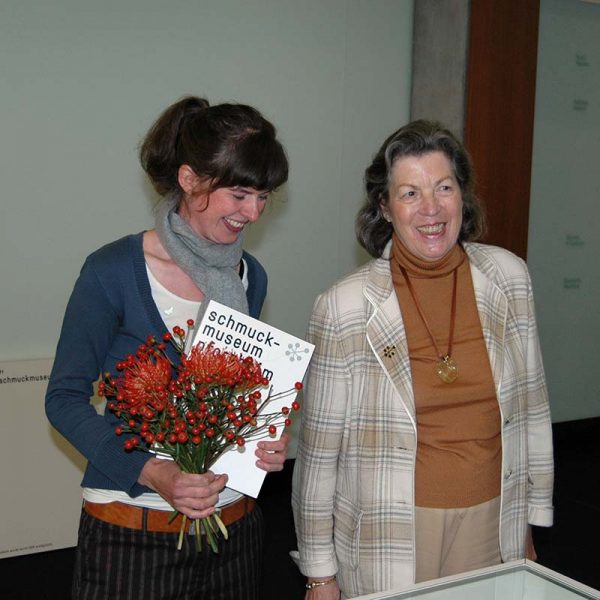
point(446, 368)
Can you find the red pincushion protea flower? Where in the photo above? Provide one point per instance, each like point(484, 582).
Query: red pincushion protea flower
point(209, 365)
point(145, 381)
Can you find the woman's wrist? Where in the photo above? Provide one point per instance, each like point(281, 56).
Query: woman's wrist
point(313, 582)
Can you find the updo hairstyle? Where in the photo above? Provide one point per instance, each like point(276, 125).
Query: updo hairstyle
point(228, 144)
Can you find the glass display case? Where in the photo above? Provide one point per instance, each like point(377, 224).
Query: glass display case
point(518, 580)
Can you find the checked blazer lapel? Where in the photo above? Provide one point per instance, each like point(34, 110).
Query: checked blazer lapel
point(492, 306)
point(386, 334)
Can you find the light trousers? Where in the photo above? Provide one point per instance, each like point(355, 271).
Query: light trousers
point(455, 540)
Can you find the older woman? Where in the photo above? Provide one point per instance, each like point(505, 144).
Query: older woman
point(426, 445)
point(215, 167)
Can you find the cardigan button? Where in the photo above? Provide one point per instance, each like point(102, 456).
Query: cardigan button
point(508, 474)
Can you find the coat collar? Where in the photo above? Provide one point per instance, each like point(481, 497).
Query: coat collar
point(379, 283)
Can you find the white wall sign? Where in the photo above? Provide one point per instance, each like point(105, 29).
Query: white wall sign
point(41, 472)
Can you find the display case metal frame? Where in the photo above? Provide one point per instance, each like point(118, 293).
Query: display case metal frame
point(552, 585)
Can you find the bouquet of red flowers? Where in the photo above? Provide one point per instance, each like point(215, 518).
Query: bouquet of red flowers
point(211, 402)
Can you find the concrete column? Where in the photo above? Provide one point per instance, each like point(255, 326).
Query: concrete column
point(440, 45)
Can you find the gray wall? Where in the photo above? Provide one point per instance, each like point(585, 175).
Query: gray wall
point(81, 81)
point(564, 243)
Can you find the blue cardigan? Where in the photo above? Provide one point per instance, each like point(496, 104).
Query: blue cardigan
point(110, 313)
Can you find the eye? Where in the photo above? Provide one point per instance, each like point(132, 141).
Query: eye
point(409, 195)
point(446, 188)
point(264, 197)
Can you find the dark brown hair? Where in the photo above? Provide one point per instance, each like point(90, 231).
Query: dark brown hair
point(416, 138)
point(228, 144)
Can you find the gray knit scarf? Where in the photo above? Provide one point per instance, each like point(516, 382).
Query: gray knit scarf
point(212, 266)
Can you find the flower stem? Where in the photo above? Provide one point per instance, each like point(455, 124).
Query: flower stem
point(181, 533)
point(221, 526)
point(210, 534)
point(198, 531)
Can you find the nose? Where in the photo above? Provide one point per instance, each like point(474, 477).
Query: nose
point(430, 203)
point(252, 209)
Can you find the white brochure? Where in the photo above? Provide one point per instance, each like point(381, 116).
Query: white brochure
point(284, 359)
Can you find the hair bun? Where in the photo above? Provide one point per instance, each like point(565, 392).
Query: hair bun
point(193, 104)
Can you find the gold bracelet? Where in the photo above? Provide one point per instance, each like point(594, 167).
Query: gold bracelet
point(315, 584)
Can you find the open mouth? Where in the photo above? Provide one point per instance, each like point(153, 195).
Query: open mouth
point(234, 225)
point(431, 229)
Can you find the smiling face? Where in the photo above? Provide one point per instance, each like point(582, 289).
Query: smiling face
point(425, 204)
point(221, 215)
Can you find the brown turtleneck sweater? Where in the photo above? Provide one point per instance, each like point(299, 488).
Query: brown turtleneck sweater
point(459, 453)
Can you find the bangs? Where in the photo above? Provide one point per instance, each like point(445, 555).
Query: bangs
point(257, 161)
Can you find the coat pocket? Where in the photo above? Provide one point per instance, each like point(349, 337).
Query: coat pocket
point(346, 531)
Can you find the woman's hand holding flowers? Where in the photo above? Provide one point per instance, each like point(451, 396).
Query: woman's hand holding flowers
point(193, 495)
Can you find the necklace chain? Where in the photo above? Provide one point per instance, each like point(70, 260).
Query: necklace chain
point(446, 367)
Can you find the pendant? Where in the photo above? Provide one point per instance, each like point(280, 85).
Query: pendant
point(446, 369)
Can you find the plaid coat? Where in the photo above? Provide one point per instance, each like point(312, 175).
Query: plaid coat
point(353, 491)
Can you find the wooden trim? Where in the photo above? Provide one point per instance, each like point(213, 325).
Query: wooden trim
point(501, 72)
